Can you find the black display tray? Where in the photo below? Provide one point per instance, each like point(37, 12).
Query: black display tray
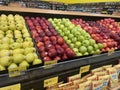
point(42, 72)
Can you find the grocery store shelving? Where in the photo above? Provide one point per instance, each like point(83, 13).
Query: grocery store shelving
point(34, 10)
point(32, 76)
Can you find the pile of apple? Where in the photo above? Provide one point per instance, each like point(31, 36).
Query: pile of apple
point(51, 46)
point(98, 32)
point(113, 28)
point(16, 46)
point(77, 38)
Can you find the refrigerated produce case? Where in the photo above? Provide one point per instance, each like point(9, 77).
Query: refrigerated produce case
point(34, 77)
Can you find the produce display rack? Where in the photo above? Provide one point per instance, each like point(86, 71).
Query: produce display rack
point(33, 78)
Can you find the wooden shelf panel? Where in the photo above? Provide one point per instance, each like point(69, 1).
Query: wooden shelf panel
point(34, 10)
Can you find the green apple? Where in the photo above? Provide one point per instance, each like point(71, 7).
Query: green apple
point(100, 46)
point(61, 26)
point(2, 68)
point(0, 42)
point(5, 61)
point(59, 31)
point(1, 32)
point(77, 34)
point(87, 36)
point(92, 42)
point(16, 45)
point(10, 16)
point(74, 39)
point(9, 35)
point(50, 19)
point(18, 35)
point(12, 27)
point(92, 52)
point(95, 46)
point(4, 47)
point(4, 53)
point(27, 44)
point(19, 40)
point(3, 16)
point(3, 22)
point(86, 53)
point(13, 65)
point(19, 26)
point(77, 44)
point(17, 32)
point(75, 50)
point(68, 41)
point(4, 27)
point(30, 57)
point(29, 50)
point(1, 36)
point(71, 36)
point(62, 34)
point(71, 27)
point(90, 49)
point(79, 54)
point(18, 51)
point(67, 32)
point(35, 55)
point(83, 32)
point(72, 45)
point(24, 64)
point(81, 38)
point(28, 39)
point(97, 51)
point(57, 28)
point(82, 49)
point(26, 35)
point(3, 19)
point(5, 40)
point(85, 43)
point(65, 38)
point(9, 32)
point(11, 41)
point(37, 61)
point(18, 58)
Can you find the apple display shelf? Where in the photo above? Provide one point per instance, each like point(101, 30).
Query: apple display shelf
point(33, 78)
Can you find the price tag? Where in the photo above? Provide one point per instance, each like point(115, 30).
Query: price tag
point(84, 69)
point(12, 87)
point(49, 64)
point(110, 52)
point(16, 71)
point(50, 82)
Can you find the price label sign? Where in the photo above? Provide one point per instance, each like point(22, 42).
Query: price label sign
point(84, 69)
point(110, 52)
point(51, 81)
point(16, 71)
point(49, 64)
point(12, 87)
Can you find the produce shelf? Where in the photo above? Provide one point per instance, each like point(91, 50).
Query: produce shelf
point(36, 75)
point(34, 10)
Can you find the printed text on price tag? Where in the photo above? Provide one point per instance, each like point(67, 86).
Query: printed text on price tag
point(12, 87)
point(50, 82)
point(84, 69)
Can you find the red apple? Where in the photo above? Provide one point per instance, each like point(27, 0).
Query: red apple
point(52, 53)
point(46, 38)
point(57, 58)
point(60, 40)
point(64, 56)
point(44, 54)
point(41, 48)
point(64, 46)
point(40, 44)
point(70, 53)
point(47, 58)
